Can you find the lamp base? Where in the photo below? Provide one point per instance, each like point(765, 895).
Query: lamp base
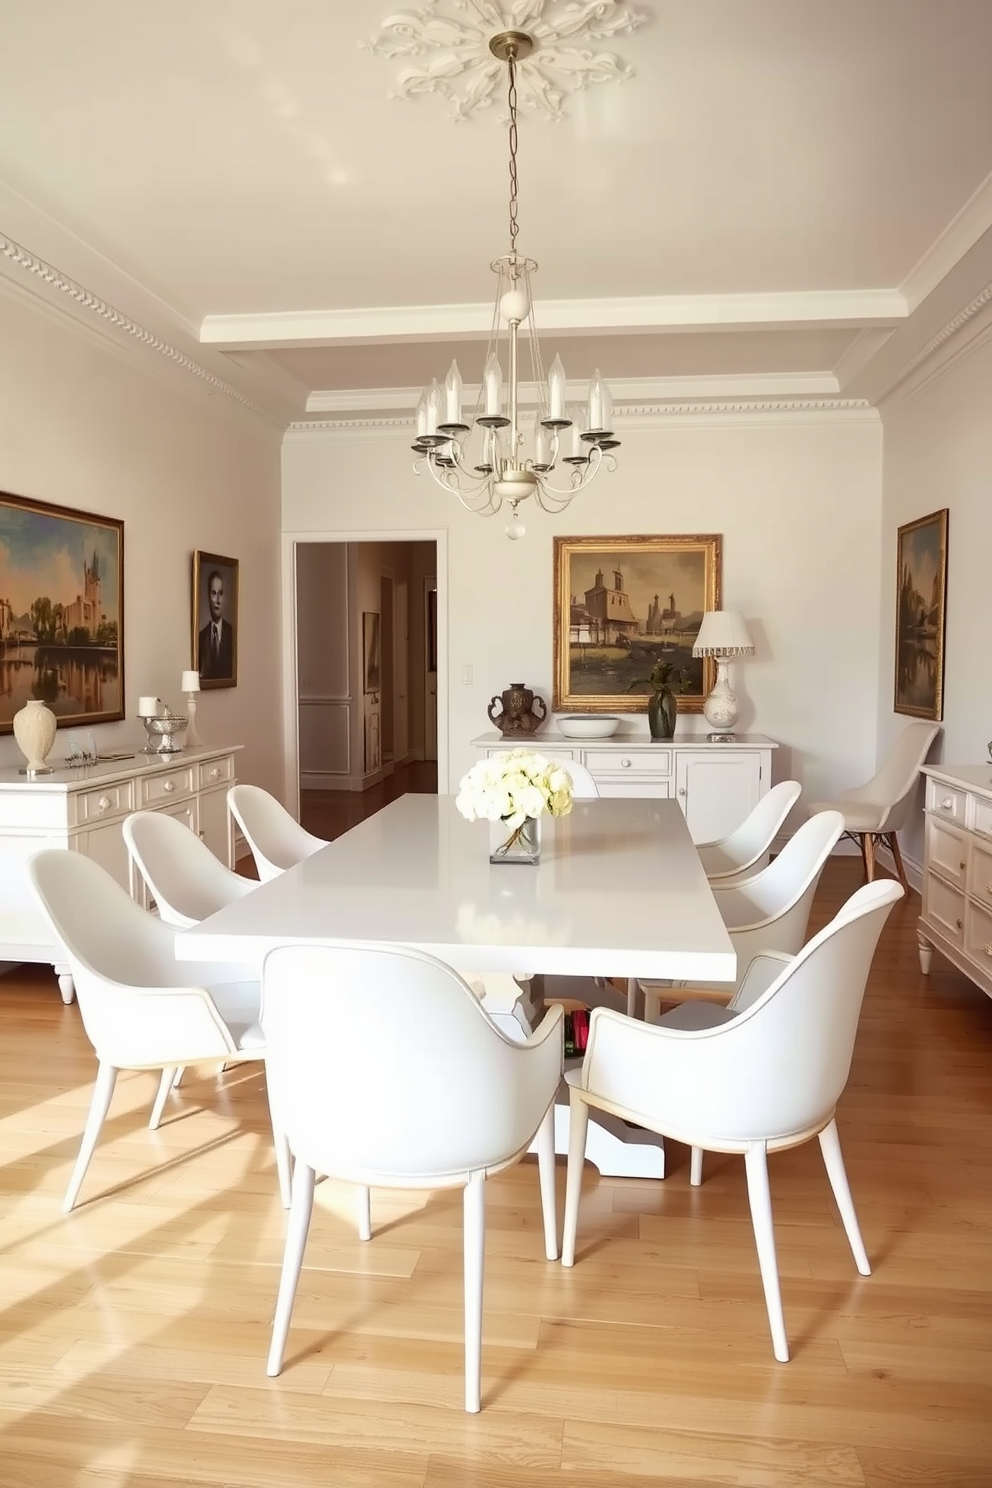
point(720, 708)
point(192, 739)
point(721, 738)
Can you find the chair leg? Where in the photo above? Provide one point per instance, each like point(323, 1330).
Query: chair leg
point(696, 1167)
point(859, 838)
point(280, 1144)
point(474, 1224)
point(578, 1126)
point(869, 850)
point(760, 1200)
point(833, 1160)
point(631, 997)
point(300, 1211)
point(364, 1203)
point(893, 842)
point(103, 1091)
point(166, 1084)
point(546, 1174)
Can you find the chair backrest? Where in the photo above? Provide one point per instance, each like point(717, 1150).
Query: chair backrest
point(117, 950)
point(584, 787)
point(383, 1065)
point(892, 787)
point(780, 1066)
point(184, 878)
point(276, 839)
point(789, 877)
point(750, 842)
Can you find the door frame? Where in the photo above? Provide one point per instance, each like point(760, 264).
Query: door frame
point(290, 688)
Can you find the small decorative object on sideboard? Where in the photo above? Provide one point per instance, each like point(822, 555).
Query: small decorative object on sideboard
point(34, 728)
point(191, 686)
point(518, 712)
point(161, 726)
point(722, 635)
point(588, 725)
point(663, 704)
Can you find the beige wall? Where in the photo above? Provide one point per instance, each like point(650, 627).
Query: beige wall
point(796, 498)
point(83, 427)
point(938, 452)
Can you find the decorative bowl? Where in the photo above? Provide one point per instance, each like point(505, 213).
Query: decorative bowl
point(588, 725)
point(164, 729)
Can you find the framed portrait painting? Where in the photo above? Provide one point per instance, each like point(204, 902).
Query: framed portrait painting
point(61, 612)
point(620, 605)
point(215, 620)
point(921, 598)
point(371, 652)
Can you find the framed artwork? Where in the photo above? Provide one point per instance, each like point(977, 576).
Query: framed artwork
point(371, 654)
point(373, 755)
point(921, 598)
point(215, 620)
point(61, 612)
point(620, 605)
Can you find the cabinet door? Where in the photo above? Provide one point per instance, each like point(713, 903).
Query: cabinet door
point(716, 791)
point(215, 825)
point(106, 846)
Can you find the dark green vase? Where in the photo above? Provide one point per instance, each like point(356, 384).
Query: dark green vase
point(663, 710)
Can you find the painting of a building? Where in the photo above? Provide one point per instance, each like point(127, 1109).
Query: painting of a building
point(610, 617)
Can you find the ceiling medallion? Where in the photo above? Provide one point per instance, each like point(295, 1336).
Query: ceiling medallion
point(449, 55)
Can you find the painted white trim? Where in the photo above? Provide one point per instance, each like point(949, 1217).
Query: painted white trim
point(862, 350)
point(624, 390)
point(604, 316)
point(961, 233)
point(947, 345)
point(291, 742)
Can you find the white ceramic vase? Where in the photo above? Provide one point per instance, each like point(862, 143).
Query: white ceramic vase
point(34, 729)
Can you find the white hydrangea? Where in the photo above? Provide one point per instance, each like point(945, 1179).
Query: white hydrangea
point(512, 786)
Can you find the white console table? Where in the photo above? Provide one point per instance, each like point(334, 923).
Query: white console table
point(83, 810)
point(957, 870)
point(716, 785)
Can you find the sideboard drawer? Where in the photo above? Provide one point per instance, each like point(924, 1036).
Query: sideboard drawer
point(983, 815)
point(156, 789)
point(104, 802)
point(947, 851)
point(978, 934)
point(643, 762)
point(215, 772)
point(944, 800)
point(979, 880)
point(944, 907)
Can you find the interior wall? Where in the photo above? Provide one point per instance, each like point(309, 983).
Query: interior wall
point(796, 498)
point(938, 452)
point(83, 427)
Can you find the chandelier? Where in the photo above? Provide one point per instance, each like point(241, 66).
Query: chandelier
point(502, 469)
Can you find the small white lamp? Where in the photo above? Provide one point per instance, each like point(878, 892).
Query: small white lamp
point(722, 634)
point(190, 685)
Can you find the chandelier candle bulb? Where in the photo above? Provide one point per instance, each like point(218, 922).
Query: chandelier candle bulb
point(422, 414)
point(453, 395)
point(556, 391)
point(493, 382)
point(433, 407)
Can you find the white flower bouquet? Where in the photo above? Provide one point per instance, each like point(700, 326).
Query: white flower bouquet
point(514, 788)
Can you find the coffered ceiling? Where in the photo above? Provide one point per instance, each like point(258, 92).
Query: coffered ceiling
point(785, 199)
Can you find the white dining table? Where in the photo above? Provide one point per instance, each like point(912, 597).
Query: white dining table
point(619, 892)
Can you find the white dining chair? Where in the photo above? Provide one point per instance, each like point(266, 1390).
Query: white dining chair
point(769, 912)
point(424, 1092)
point(766, 1077)
point(141, 1008)
point(276, 839)
point(876, 811)
point(745, 851)
point(185, 879)
point(584, 787)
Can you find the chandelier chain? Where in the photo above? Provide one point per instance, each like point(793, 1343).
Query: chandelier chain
point(512, 102)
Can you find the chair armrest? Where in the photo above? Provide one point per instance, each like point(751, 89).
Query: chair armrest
point(762, 971)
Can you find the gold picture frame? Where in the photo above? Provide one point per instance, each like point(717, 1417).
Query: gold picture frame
point(623, 603)
point(215, 604)
point(921, 602)
point(61, 612)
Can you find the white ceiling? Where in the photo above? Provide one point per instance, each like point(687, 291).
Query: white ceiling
point(770, 200)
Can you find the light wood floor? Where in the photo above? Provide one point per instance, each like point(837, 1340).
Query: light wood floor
point(133, 1333)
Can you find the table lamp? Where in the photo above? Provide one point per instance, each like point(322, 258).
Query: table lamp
point(722, 634)
point(190, 685)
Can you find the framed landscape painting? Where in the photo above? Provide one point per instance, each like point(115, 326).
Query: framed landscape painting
point(620, 605)
point(921, 598)
point(61, 612)
point(215, 620)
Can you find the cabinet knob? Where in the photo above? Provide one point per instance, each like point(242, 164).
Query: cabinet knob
point(681, 790)
point(962, 865)
point(959, 923)
point(104, 803)
point(215, 772)
point(169, 787)
point(947, 804)
point(625, 764)
point(988, 949)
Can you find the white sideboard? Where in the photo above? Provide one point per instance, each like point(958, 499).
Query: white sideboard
point(957, 870)
point(716, 785)
point(83, 810)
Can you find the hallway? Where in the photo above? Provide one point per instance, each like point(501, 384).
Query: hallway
point(329, 813)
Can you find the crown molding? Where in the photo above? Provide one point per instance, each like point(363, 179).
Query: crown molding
point(947, 346)
point(646, 415)
point(82, 304)
point(601, 316)
point(961, 234)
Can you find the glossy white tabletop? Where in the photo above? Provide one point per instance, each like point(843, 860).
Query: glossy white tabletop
point(619, 891)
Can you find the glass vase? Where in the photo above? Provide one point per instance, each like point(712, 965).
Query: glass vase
point(515, 844)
